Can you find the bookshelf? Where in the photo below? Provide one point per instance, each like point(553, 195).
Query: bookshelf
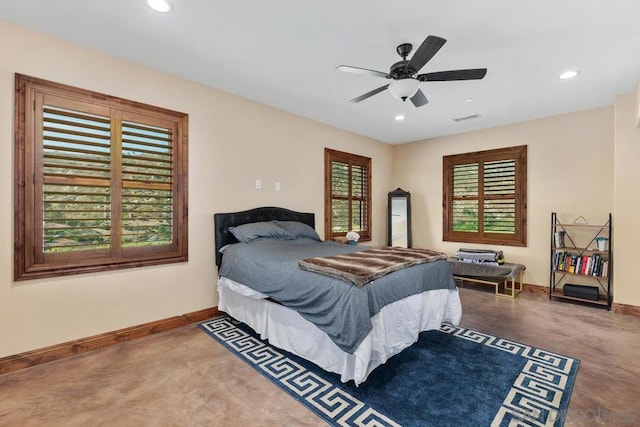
point(581, 257)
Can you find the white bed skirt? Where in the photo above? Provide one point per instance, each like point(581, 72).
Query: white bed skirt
point(395, 328)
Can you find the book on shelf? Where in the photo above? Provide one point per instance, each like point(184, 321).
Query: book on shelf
point(586, 265)
point(558, 238)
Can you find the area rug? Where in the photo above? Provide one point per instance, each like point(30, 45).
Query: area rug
point(451, 377)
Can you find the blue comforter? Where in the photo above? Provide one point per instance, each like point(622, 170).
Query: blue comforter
point(342, 310)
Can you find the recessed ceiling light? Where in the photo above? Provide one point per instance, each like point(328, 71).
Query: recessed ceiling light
point(468, 100)
point(399, 117)
point(162, 6)
point(568, 74)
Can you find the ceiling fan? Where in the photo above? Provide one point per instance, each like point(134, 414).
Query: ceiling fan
point(404, 73)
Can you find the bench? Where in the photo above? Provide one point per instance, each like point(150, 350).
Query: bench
point(507, 274)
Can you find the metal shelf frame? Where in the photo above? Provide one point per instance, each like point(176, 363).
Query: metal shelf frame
point(557, 277)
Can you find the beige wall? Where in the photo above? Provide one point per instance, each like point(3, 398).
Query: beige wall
point(627, 201)
point(233, 142)
point(570, 171)
point(638, 106)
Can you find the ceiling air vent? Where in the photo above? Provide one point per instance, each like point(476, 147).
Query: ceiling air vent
point(461, 119)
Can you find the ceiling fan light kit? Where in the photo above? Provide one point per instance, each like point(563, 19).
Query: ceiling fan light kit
point(403, 89)
point(405, 75)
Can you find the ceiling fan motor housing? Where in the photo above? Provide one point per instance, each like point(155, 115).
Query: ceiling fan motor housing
point(399, 71)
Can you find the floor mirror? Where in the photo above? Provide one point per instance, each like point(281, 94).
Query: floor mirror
point(399, 219)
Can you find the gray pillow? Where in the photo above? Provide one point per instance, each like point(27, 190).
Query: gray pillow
point(299, 229)
point(259, 230)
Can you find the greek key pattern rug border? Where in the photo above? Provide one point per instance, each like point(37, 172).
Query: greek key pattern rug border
point(534, 399)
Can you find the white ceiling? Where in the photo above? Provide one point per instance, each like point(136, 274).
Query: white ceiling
point(283, 53)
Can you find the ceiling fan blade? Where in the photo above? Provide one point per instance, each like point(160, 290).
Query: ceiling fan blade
point(429, 47)
point(358, 70)
point(443, 76)
point(369, 94)
point(419, 99)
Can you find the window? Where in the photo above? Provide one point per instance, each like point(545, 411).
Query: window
point(347, 194)
point(100, 182)
point(485, 197)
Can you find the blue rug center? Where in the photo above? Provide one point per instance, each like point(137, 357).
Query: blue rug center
point(439, 376)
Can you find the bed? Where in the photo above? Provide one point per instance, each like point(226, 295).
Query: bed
point(346, 329)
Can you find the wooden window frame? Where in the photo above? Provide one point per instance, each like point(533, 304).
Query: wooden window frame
point(519, 238)
point(30, 259)
point(351, 159)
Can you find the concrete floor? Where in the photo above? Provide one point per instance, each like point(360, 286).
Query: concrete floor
point(184, 378)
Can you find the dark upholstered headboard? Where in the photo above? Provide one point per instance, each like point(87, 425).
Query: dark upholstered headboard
point(223, 221)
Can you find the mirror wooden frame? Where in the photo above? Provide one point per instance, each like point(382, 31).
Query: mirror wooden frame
point(398, 193)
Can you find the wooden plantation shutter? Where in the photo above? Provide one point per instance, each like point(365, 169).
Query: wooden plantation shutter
point(347, 194)
point(76, 196)
point(340, 185)
point(499, 211)
point(360, 199)
point(101, 182)
point(465, 197)
point(485, 197)
point(147, 185)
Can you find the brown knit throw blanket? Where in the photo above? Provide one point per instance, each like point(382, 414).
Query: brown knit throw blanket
point(362, 267)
